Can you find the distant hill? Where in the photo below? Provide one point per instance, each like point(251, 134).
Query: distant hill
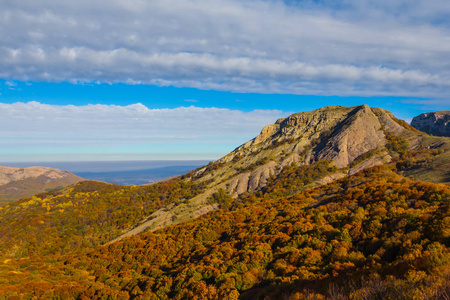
point(435, 123)
point(17, 183)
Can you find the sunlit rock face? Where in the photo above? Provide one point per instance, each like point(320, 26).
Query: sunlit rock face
point(348, 137)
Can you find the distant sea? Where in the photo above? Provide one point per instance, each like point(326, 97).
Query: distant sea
point(121, 172)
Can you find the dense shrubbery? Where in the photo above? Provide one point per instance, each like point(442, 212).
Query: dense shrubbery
point(396, 145)
point(418, 159)
point(374, 223)
point(86, 216)
point(375, 232)
point(293, 178)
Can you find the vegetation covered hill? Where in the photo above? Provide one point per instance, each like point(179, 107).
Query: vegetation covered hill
point(82, 217)
point(351, 138)
point(18, 183)
point(374, 232)
point(375, 225)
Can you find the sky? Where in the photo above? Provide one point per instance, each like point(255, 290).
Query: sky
point(193, 79)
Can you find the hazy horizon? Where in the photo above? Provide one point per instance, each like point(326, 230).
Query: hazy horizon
point(106, 166)
point(120, 172)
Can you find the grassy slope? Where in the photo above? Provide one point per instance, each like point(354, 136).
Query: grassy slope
point(437, 169)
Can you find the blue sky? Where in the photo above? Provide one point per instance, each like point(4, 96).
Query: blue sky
point(193, 79)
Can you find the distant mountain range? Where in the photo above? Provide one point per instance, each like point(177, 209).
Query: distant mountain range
point(336, 203)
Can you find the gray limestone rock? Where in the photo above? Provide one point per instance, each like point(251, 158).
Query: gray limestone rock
point(435, 123)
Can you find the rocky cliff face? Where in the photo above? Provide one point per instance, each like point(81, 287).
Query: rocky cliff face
point(17, 183)
point(435, 123)
point(350, 137)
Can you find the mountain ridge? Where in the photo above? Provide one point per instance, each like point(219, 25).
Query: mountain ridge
point(302, 138)
point(351, 138)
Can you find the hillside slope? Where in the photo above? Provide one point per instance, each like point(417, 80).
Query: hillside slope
point(18, 183)
point(373, 233)
point(81, 217)
point(350, 138)
point(276, 245)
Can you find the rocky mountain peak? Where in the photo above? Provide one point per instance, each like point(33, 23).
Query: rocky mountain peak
point(305, 125)
point(348, 137)
point(435, 123)
point(344, 133)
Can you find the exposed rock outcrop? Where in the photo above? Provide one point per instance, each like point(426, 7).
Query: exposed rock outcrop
point(435, 123)
point(342, 135)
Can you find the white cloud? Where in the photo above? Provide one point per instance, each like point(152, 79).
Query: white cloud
point(126, 129)
point(312, 47)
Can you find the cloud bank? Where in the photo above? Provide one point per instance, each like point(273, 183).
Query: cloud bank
point(127, 132)
point(351, 47)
